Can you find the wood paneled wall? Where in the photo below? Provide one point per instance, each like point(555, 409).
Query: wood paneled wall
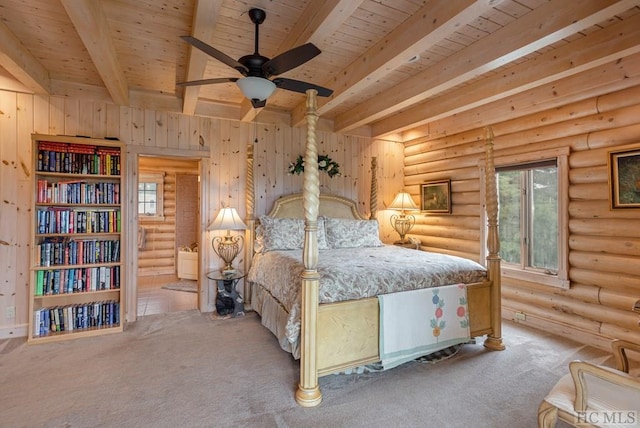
point(604, 245)
point(220, 145)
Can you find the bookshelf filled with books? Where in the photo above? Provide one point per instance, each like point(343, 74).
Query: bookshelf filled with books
point(76, 286)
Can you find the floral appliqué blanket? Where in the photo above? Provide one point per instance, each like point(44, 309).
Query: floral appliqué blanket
point(418, 322)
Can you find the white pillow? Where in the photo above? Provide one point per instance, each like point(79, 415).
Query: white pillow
point(347, 233)
point(285, 234)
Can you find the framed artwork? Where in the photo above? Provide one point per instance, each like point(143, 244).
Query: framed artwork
point(435, 197)
point(624, 178)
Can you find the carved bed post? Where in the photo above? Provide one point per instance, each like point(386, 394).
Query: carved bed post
point(250, 221)
point(494, 340)
point(373, 202)
point(308, 393)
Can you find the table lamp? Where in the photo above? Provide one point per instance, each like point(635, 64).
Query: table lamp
point(402, 223)
point(227, 247)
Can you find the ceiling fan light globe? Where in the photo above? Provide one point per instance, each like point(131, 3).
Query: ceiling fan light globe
point(256, 88)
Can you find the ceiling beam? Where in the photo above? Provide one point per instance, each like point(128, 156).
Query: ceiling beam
point(9, 83)
point(230, 112)
point(18, 61)
point(611, 77)
point(432, 23)
point(90, 22)
point(148, 100)
point(169, 103)
point(319, 21)
point(548, 24)
point(205, 19)
point(595, 49)
point(247, 111)
point(70, 89)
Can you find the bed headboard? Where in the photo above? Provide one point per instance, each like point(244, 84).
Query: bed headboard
point(291, 206)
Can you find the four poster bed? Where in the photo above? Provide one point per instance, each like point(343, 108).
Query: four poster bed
point(323, 295)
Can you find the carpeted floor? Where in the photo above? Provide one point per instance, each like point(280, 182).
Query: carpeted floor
point(187, 369)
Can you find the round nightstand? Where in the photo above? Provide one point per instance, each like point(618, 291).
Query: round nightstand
point(228, 300)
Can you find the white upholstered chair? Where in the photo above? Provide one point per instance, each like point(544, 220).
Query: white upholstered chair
point(591, 395)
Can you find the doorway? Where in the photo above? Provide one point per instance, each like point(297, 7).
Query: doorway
point(168, 214)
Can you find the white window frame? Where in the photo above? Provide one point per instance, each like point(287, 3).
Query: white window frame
point(158, 179)
point(561, 279)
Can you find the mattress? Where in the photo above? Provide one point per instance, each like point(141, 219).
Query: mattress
point(349, 274)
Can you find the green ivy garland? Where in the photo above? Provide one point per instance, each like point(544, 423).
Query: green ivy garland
point(325, 163)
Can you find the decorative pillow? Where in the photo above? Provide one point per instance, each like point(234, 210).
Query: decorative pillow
point(346, 233)
point(286, 234)
point(258, 243)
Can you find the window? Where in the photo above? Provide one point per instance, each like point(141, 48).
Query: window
point(528, 215)
point(150, 200)
point(533, 217)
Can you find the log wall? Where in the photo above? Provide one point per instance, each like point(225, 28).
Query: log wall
point(159, 255)
point(221, 147)
point(602, 302)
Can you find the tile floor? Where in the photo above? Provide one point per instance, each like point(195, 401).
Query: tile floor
point(152, 299)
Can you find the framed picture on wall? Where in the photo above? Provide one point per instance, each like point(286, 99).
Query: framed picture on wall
point(624, 177)
point(435, 197)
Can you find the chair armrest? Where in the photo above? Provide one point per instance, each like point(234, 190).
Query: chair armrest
point(616, 377)
point(618, 346)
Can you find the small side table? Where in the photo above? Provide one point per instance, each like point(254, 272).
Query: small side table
point(228, 300)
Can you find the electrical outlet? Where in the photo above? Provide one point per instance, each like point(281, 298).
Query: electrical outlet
point(11, 312)
point(520, 316)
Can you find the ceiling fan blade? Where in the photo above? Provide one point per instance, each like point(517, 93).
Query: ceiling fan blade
point(208, 81)
point(298, 86)
point(258, 103)
point(290, 59)
point(215, 53)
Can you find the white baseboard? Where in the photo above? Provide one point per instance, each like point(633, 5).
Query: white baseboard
point(13, 331)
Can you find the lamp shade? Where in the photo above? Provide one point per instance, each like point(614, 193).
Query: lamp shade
point(256, 88)
point(403, 202)
point(227, 219)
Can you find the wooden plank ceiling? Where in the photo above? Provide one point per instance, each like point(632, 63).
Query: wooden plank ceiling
point(394, 65)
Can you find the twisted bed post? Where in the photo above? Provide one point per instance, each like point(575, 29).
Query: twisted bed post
point(250, 221)
point(373, 201)
point(308, 393)
point(494, 340)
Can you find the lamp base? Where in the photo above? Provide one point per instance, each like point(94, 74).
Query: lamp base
point(402, 224)
point(227, 248)
point(408, 243)
point(226, 271)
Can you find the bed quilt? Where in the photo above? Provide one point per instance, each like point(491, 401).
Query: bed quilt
point(357, 273)
point(420, 322)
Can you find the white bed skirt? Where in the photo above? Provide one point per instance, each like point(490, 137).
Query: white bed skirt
point(274, 317)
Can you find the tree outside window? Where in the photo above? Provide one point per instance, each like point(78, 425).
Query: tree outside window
point(528, 217)
point(533, 216)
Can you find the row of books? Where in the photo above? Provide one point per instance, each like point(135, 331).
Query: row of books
point(65, 220)
point(76, 317)
point(78, 158)
point(65, 251)
point(77, 280)
point(77, 192)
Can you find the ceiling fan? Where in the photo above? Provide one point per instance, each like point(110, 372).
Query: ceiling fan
point(257, 69)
